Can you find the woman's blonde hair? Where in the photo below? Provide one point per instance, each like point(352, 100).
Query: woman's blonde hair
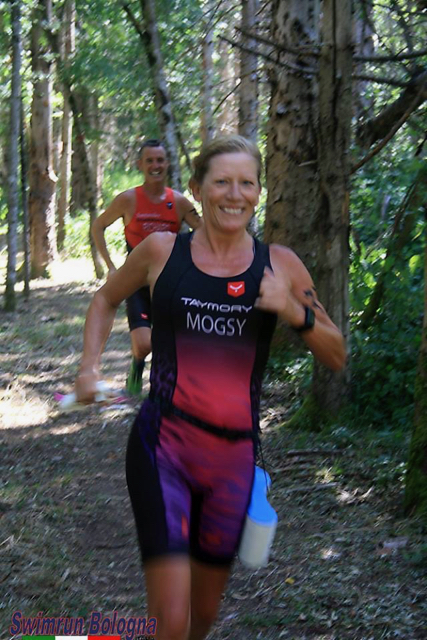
point(223, 144)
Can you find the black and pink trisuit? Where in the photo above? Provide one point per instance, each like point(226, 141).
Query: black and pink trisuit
point(190, 458)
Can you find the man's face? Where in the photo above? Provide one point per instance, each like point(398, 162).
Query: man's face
point(153, 164)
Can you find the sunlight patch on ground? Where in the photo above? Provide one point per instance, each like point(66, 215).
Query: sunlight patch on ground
point(66, 429)
point(79, 270)
point(72, 270)
point(18, 410)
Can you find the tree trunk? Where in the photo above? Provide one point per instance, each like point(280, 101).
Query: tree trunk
point(26, 241)
point(293, 189)
point(151, 41)
point(96, 170)
point(330, 388)
point(227, 119)
point(207, 119)
point(416, 477)
point(79, 196)
point(13, 170)
point(363, 38)
point(89, 181)
point(88, 173)
point(67, 124)
point(307, 166)
point(42, 178)
point(291, 164)
point(248, 94)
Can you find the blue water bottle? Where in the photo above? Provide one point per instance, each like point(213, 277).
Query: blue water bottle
point(260, 525)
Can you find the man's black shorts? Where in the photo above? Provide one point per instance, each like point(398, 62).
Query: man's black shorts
point(138, 309)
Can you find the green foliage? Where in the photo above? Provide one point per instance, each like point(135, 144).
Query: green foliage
point(77, 237)
point(116, 180)
point(384, 361)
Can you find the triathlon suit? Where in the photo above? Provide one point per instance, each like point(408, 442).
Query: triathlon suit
point(148, 217)
point(191, 451)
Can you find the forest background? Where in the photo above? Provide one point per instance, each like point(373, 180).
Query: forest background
point(333, 92)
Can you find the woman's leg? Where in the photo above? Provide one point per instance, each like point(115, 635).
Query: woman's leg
point(207, 586)
point(168, 593)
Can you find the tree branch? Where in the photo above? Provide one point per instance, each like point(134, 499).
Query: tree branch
point(287, 65)
point(378, 127)
point(134, 21)
point(381, 80)
point(230, 93)
point(300, 51)
point(387, 138)
point(391, 58)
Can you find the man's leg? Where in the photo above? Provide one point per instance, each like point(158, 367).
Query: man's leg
point(141, 347)
point(138, 308)
point(207, 586)
point(168, 593)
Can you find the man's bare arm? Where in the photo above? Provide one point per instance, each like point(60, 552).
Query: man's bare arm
point(120, 206)
point(187, 211)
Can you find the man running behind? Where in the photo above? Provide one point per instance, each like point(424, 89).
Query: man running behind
point(144, 209)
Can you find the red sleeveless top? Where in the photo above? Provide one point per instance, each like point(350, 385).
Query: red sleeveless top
point(150, 217)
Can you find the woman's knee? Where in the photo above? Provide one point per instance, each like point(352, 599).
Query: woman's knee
point(203, 615)
point(172, 623)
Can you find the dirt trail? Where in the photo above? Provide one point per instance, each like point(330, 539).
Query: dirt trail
point(344, 565)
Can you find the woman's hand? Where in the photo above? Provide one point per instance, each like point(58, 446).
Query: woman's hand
point(275, 296)
point(86, 388)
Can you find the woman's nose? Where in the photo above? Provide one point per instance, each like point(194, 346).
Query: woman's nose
point(234, 191)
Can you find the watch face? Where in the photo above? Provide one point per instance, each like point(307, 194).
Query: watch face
point(309, 320)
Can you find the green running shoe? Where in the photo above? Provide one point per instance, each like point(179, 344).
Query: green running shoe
point(134, 379)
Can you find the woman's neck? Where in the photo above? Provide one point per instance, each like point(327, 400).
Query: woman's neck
point(222, 255)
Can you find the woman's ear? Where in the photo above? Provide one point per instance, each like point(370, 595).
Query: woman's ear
point(195, 190)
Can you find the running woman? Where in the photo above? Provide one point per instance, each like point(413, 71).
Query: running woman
point(216, 294)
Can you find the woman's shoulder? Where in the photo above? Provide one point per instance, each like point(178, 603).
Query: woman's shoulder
point(160, 241)
point(283, 253)
point(284, 258)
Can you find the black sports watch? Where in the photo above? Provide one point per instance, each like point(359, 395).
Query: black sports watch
point(309, 319)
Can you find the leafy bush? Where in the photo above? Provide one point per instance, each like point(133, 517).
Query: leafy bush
point(385, 355)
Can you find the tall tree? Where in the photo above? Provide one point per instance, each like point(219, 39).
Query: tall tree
point(68, 45)
point(227, 118)
point(248, 89)
point(307, 158)
point(207, 119)
point(149, 35)
point(42, 180)
point(88, 172)
point(13, 158)
point(332, 224)
point(26, 241)
point(83, 98)
point(363, 38)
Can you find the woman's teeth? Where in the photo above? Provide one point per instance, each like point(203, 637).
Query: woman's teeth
point(232, 212)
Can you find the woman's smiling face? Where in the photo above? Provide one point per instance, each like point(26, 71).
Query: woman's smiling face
point(230, 190)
